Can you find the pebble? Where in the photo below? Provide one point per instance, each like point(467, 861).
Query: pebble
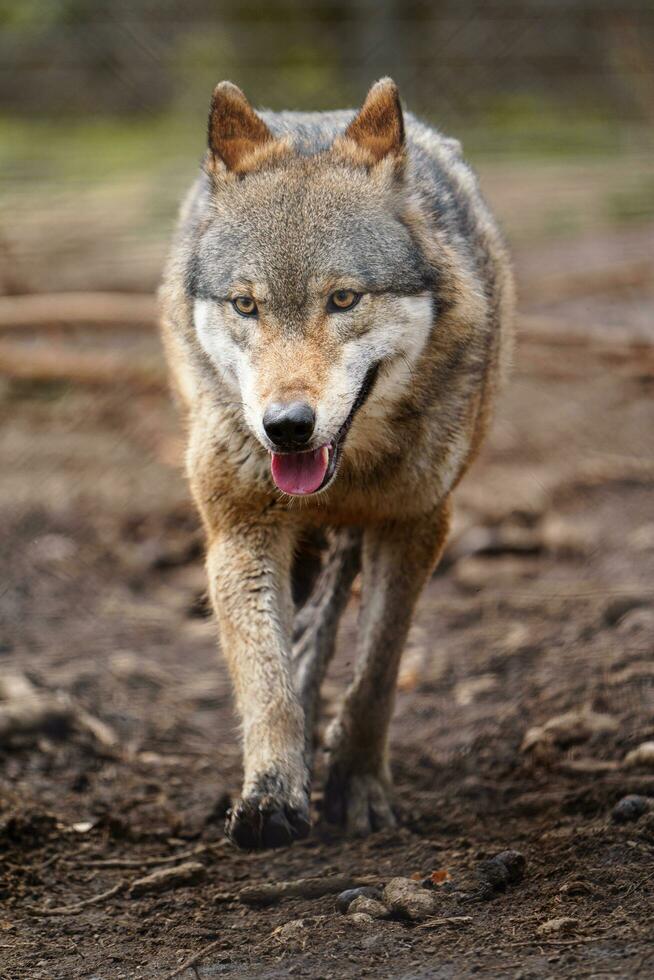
point(408, 899)
point(566, 538)
point(369, 906)
point(345, 899)
point(565, 923)
point(293, 932)
point(630, 808)
point(637, 621)
point(515, 863)
point(361, 920)
point(574, 726)
point(467, 692)
point(643, 755)
point(621, 605)
point(506, 868)
point(52, 548)
point(576, 887)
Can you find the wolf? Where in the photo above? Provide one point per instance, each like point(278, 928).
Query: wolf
point(336, 313)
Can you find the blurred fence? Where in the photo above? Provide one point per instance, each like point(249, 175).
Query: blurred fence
point(103, 106)
point(450, 56)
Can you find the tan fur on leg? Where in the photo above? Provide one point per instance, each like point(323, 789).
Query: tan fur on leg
point(249, 580)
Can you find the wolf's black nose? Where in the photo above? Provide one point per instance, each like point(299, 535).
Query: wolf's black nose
point(289, 426)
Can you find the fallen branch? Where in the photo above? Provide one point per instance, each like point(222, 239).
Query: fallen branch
point(267, 894)
point(185, 874)
point(559, 942)
point(193, 960)
point(62, 364)
point(78, 906)
point(32, 713)
point(24, 709)
point(535, 328)
point(56, 310)
point(601, 280)
point(189, 873)
point(453, 920)
point(110, 368)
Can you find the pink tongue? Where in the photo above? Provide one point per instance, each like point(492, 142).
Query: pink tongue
point(300, 473)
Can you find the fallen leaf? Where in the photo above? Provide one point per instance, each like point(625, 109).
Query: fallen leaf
point(440, 876)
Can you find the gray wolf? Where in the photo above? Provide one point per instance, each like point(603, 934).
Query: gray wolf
point(336, 314)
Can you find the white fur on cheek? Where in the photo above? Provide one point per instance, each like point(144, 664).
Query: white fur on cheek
point(215, 340)
point(231, 361)
point(417, 319)
point(412, 323)
point(399, 331)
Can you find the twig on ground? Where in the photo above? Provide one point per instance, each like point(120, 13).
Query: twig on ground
point(558, 942)
point(269, 893)
point(163, 879)
point(453, 920)
point(78, 906)
point(101, 732)
point(193, 960)
point(51, 860)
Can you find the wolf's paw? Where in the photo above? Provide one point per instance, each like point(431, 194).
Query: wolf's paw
point(261, 821)
point(358, 801)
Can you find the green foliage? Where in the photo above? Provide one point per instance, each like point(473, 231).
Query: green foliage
point(632, 203)
point(95, 149)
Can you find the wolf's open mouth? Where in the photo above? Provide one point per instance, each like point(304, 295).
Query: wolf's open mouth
point(303, 473)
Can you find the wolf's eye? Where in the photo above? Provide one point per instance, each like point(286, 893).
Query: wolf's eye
point(245, 305)
point(342, 299)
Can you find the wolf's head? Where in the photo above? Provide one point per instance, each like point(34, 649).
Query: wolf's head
point(311, 292)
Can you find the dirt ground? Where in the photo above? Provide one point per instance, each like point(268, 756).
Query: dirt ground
point(543, 606)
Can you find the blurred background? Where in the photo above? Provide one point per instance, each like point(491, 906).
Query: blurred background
point(103, 108)
point(116, 728)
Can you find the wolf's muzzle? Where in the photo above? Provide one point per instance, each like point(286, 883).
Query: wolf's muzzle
point(289, 427)
point(299, 471)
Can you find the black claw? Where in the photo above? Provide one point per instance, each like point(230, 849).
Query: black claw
point(241, 829)
point(277, 831)
point(262, 824)
point(301, 825)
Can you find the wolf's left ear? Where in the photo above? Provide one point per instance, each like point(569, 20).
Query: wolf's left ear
point(235, 130)
point(378, 127)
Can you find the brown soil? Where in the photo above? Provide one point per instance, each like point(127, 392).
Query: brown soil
point(543, 605)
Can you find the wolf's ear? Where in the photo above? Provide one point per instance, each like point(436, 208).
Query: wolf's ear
point(378, 127)
point(235, 130)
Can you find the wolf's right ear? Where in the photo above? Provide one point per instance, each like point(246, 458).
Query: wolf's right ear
point(236, 132)
point(377, 130)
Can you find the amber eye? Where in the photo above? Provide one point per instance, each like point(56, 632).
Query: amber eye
point(343, 299)
point(245, 305)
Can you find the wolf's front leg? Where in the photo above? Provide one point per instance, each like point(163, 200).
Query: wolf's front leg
point(249, 582)
point(397, 560)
